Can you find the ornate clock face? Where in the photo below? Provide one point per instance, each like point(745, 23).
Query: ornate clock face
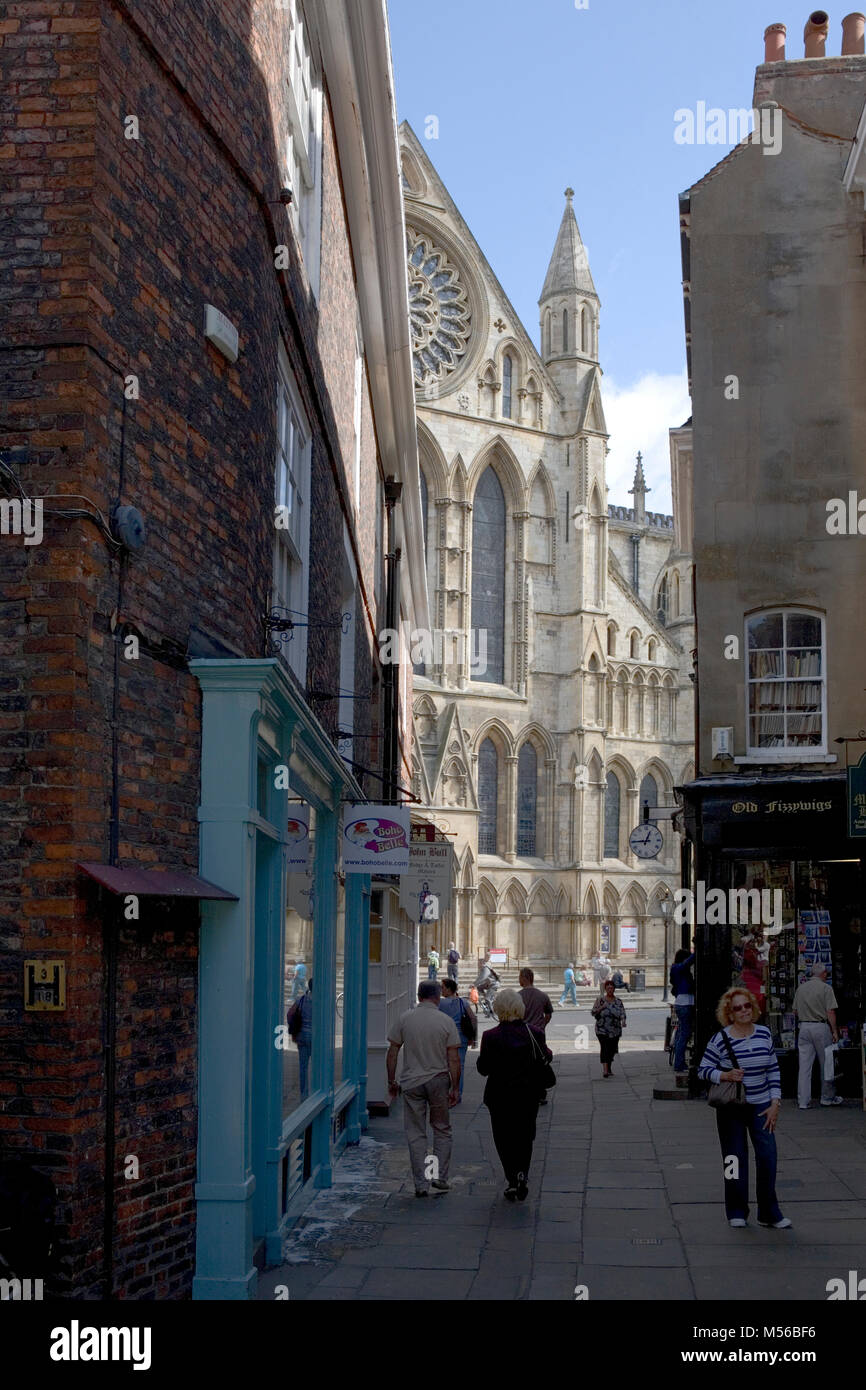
point(439, 311)
point(646, 841)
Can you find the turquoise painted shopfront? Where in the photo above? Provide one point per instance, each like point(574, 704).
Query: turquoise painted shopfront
point(263, 1147)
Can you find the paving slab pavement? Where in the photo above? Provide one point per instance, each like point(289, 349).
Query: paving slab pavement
point(625, 1199)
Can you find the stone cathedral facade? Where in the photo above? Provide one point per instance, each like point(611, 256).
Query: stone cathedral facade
point(555, 698)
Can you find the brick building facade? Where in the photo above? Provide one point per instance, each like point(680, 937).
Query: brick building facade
point(144, 150)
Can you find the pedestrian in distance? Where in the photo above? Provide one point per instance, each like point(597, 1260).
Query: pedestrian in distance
point(570, 991)
point(683, 988)
point(453, 962)
point(618, 981)
point(610, 1019)
point(742, 1052)
point(432, 963)
point(430, 1081)
point(597, 976)
point(815, 1007)
point(300, 1022)
point(465, 1020)
point(537, 1010)
point(299, 980)
point(512, 1056)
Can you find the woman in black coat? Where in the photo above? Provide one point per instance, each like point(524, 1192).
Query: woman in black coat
point(512, 1056)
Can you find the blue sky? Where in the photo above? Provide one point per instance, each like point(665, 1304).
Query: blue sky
point(532, 98)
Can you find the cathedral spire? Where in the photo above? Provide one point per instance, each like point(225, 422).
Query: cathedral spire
point(568, 272)
point(639, 490)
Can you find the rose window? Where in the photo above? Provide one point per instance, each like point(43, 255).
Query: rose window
point(439, 312)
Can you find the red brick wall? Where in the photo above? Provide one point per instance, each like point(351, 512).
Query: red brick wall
point(119, 244)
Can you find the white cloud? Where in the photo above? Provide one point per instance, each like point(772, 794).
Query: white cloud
point(639, 417)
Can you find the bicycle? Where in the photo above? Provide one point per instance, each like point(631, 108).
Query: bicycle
point(672, 1025)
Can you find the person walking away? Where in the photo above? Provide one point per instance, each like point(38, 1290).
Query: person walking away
point(299, 980)
point(570, 989)
point(453, 962)
point(683, 987)
point(432, 964)
point(512, 1054)
point(537, 1010)
point(595, 965)
point(429, 1081)
point(815, 1007)
point(610, 1019)
point(300, 1021)
point(754, 1065)
point(464, 1019)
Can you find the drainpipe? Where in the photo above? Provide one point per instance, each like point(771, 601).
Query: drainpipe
point(390, 675)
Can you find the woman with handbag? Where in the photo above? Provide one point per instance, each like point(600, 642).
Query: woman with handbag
point(466, 1021)
point(609, 1015)
point(516, 1061)
point(745, 1091)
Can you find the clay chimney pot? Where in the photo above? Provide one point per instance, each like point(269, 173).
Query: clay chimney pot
point(774, 43)
point(853, 28)
point(815, 33)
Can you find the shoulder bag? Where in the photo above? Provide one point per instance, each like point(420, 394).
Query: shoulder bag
point(546, 1072)
point(468, 1026)
point(726, 1092)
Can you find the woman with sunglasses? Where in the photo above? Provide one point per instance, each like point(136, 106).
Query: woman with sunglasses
point(753, 1064)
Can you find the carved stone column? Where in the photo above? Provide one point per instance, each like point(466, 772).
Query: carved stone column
point(510, 837)
point(519, 606)
point(550, 825)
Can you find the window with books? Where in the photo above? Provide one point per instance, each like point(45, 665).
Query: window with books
point(786, 683)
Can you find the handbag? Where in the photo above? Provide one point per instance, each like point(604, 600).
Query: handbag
point(468, 1026)
point(726, 1092)
point(548, 1075)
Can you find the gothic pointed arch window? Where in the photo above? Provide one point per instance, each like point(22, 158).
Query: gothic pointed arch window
point(649, 792)
point(611, 639)
point(527, 797)
point(584, 329)
point(663, 606)
point(547, 341)
point(424, 507)
point(611, 816)
point(565, 330)
point(488, 799)
point(507, 384)
point(488, 573)
point(634, 646)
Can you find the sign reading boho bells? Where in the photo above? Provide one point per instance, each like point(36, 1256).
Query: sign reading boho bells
point(44, 985)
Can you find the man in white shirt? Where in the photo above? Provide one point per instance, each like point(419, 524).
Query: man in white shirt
point(430, 1078)
point(815, 1007)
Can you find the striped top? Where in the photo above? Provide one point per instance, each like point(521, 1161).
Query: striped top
point(756, 1057)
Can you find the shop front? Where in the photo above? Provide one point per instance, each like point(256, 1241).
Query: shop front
point(777, 886)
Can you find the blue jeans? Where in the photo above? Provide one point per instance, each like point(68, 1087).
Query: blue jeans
point(304, 1050)
point(734, 1123)
point(570, 989)
point(431, 972)
point(686, 1015)
point(463, 1047)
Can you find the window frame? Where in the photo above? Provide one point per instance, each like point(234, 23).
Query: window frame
point(486, 677)
point(786, 752)
point(522, 853)
point(482, 813)
point(304, 142)
point(290, 576)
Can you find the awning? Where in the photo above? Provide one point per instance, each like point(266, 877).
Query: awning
point(154, 883)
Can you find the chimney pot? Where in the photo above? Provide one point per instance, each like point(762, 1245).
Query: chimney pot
point(815, 33)
point(853, 28)
point(774, 43)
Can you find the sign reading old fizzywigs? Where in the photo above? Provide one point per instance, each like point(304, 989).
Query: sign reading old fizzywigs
point(786, 806)
point(857, 799)
point(425, 888)
point(298, 836)
point(376, 839)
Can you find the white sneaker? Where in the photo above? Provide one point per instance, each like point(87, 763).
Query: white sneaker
point(738, 1221)
point(782, 1225)
point(837, 1100)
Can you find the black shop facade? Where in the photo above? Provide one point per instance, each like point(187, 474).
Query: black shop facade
point(787, 837)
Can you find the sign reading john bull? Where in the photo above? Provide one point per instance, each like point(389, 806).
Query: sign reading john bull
point(857, 799)
point(376, 839)
point(425, 890)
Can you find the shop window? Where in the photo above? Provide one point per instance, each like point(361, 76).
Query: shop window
point(786, 683)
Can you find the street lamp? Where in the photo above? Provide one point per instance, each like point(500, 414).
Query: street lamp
point(666, 908)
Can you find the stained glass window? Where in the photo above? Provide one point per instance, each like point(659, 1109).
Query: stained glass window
point(507, 377)
point(488, 574)
point(649, 793)
point(611, 817)
point(527, 791)
point(488, 780)
point(565, 330)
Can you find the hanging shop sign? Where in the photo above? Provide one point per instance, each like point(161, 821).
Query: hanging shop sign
point(376, 839)
point(857, 799)
point(628, 941)
point(425, 888)
point(298, 836)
